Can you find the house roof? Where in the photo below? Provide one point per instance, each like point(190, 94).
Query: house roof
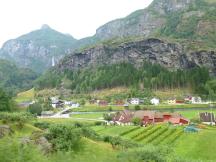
point(207, 117)
point(158, 115)
point(141, 113)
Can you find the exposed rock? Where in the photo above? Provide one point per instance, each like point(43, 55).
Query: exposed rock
point(36, 49)
point(169, 55)
point(44, 145)
point(5, 130)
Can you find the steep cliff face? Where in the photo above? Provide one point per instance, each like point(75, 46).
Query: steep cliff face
point(169, 55)
point(36, 49)
point(142, 22)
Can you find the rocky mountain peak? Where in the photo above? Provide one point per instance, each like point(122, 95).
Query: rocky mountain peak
point(45, 26)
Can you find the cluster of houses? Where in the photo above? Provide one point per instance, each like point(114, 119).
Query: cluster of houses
point(57, 103)
point(153, 101)
point(188, 100)
point(148, 117)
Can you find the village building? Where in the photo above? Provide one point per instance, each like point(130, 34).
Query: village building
point(171, 101)
point(155, 101)
point(196, 100)
point(207, 118)
point(151, 117)
point(57, 104)
point(193, 100)
point(134, 101)
point(123, 118)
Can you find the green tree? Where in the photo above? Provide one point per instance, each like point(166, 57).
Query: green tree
point(5, 102)
point(35, 108)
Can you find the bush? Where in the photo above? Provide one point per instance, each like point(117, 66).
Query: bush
point(136, 121)
point(16, 117)
point(64, 137)
point(147, 153)
point(137, 107)
point(42, 125)
point(98, 123)
point(35, 108)
point(119, 142)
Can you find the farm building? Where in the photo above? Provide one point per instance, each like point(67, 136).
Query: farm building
point(123, 117)
point(152, 117)
point(207, 118)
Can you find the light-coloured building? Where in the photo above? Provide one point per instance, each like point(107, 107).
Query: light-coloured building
point(155, 101)
point(135, 101)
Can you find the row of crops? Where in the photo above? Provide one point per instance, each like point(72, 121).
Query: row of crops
point(154, 134)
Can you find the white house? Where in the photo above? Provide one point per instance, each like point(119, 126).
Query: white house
point(155, 101)
point(196, 100)
point(135, 101)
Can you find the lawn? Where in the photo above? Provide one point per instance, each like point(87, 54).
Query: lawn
point(196, 146)
point(65, 121)
point(25, 96)
point(98, 115)
point(190, 114)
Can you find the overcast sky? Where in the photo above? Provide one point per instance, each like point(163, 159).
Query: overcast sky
point(80, 18)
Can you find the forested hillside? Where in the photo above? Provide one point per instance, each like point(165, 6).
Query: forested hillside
point(14, 79)
point(151, 76)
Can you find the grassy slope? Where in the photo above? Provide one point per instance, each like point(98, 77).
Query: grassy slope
point(198, 146)
point(25, 96)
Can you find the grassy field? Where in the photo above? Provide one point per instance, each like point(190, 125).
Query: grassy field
point(198, 146)
point(89, 116)
point(92, 108)
point(190, 114)
point(194, 146)
point(25, 96)
point(93, 151)
point(158, 134)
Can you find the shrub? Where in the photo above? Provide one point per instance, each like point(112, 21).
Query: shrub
point(64, 137)
point(98, 123)
point(16, 117)
point(137, 107)
point(136, 121)
point(35, 108)
point(147, 153)
point(42, 125)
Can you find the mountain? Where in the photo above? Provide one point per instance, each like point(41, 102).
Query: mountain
point(14, 79)
point(169, 55)
point(178, 35)
point(36, 49)
point(192, 22)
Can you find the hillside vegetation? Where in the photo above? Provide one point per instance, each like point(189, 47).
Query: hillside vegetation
point(14, 79)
